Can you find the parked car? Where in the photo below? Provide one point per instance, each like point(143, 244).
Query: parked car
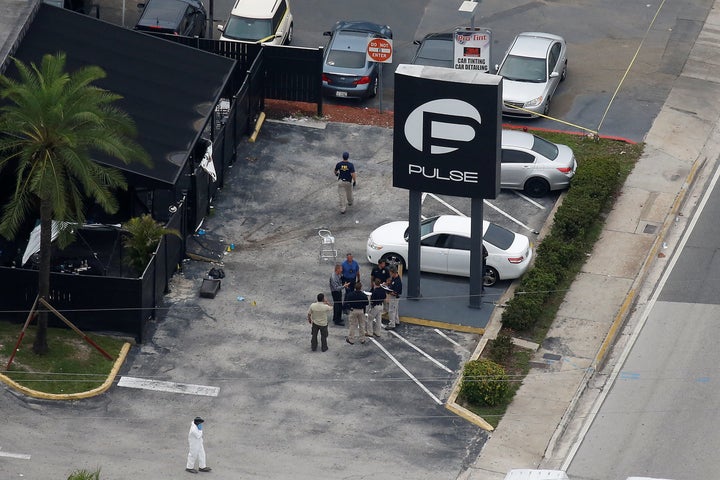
point(533, 164)
point(187, 18)
point(261, 21)
point(445, 248)
point(532, 68)
point(346, 71)
point(435, 49)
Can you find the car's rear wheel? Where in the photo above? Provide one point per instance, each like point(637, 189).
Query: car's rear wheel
point(491, 276)
point(374, 88)
point(537, 187)
point(394, 260)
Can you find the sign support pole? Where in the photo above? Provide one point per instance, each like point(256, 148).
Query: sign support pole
point(414, 211)
point(476, 252)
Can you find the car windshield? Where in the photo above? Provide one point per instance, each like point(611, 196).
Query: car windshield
point(426, 227)
point(346, 59)
point(547, 149)
point(437, 50)
point(251, 29)
point(523, 69)
point(501, 237)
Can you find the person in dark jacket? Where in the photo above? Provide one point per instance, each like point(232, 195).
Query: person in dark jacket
point(357, 302)
point(377, 301)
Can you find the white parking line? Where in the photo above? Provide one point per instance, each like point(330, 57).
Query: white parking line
point(21, 456)
point(405, 370)
point(442, 334)
point(447, 205)
point(513, 219)
point(417, 349)
point(171, 387)
point(528, 199)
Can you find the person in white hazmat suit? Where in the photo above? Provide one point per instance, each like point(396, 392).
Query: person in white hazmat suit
point(197, 451)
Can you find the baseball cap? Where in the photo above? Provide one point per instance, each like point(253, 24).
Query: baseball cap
point(346, 155)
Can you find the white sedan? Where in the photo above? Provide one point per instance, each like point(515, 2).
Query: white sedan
point(445, 248)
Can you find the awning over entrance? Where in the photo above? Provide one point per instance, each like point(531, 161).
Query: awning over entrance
point(168, 89)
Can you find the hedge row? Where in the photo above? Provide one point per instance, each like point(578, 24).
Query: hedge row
point(591, 192)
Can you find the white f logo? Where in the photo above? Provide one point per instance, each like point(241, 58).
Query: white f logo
point(441, 126)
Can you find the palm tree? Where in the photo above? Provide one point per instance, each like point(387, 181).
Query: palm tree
point(51, 123)
point(144, 236)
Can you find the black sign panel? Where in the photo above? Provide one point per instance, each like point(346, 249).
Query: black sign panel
point(447, 131)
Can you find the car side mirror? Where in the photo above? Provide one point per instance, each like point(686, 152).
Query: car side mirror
point(221, 28)
point(327, 34)
point(416, 42)
point(554, 74)
point(497, 67)
point(141, 6)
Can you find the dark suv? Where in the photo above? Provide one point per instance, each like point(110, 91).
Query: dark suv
point(179, 17)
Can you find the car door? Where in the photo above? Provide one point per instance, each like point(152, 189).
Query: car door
point(515, 167)
point(433, 253)
point(280, 27)
point(458, 255)
point(554, 67)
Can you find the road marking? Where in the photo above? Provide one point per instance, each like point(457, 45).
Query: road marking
point(447, 205)
point(171, 387)
point(405, 370)
point(510, 217)
point(21, 456)
point(528, 199)
point(442, 334)
point(426, 355)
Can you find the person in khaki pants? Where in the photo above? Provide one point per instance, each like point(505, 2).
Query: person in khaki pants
point(377, 302)
point(395, 285)
point(345, 171)
point(356, 301)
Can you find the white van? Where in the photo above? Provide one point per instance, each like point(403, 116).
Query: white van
point(260, 21)
point(528, 474)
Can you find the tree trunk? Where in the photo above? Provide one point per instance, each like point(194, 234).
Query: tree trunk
point(40, 346)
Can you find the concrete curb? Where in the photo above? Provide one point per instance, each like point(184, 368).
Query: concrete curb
point(74, 396)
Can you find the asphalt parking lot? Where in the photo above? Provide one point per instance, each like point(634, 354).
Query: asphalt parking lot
point(367, 410)
point(273, 408)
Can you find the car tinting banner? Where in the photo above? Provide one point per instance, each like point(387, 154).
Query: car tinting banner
point(447, 131)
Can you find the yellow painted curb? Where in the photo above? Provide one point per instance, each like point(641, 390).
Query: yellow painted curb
point(74, 396)
point(443, 325)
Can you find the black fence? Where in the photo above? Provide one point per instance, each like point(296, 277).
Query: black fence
point(288, 73)
point(99, 303)
point(108, 302)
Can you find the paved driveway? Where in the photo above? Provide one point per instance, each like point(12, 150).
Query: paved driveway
point(282, 411)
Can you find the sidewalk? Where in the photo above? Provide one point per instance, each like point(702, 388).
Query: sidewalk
point(683, 142)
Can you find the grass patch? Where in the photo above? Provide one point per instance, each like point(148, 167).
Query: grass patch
point(71, 365)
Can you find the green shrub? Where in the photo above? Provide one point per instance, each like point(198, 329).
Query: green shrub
point(557, 255)
point(521, 312)
point(501, 348)
point(591, 192)
point(484, 381)
point(85, 475)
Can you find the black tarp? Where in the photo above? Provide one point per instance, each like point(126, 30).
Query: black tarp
point(169, 89)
